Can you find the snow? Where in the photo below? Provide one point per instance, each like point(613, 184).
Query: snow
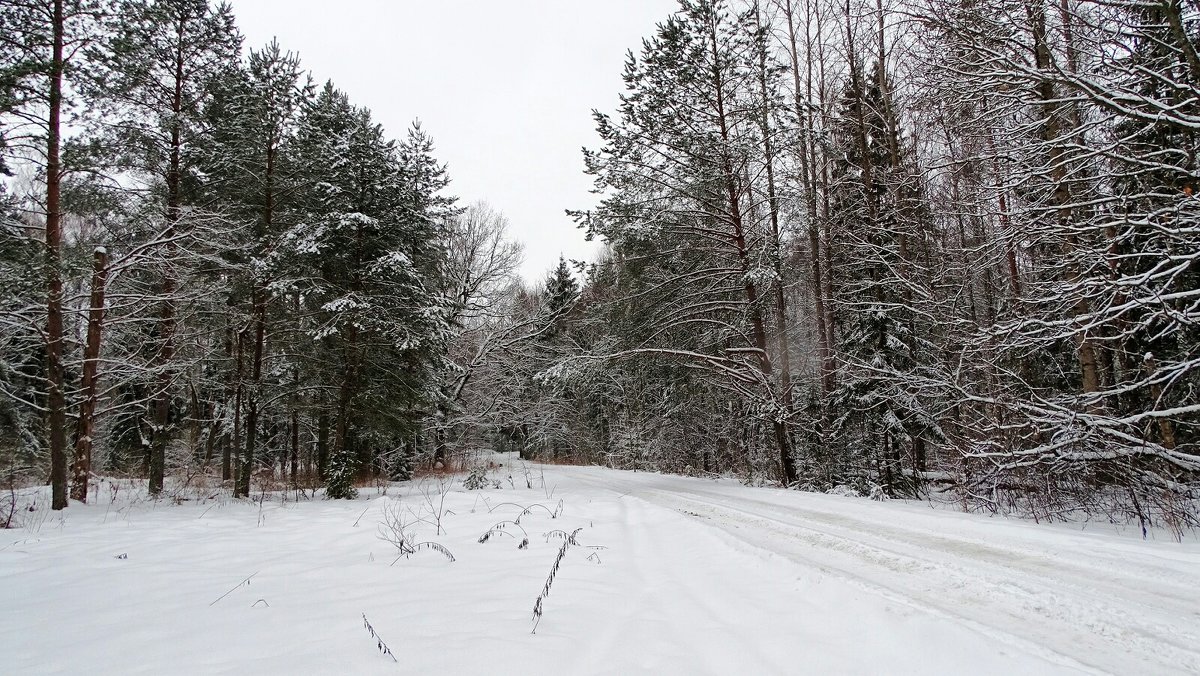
point(671, 575)
point(342, 304)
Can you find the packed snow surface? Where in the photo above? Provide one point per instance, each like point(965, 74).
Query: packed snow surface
point(667, 575)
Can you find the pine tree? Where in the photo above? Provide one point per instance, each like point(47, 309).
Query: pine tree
point(680, 168)
point(255, 113)
point(368, 231)
point(41, 39)
point(154, 75)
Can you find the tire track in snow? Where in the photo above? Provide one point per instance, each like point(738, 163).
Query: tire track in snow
point(1108, 620)
point(657, 601)
point(1079, 623)
point(1164, 584)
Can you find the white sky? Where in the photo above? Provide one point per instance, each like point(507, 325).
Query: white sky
point(505, 88)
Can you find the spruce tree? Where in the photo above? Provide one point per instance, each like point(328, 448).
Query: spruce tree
point(559, 295)
point(879, 220)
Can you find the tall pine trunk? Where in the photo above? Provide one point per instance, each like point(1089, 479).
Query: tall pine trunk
point(733, 197)
point(295, 471)
point(808, 180)
point(242, 485)
point(780, 305)
point(346, 394)
point(259, 299)
point(82, 466)
point(232, 450)
point(56, 397)
point(169, 285)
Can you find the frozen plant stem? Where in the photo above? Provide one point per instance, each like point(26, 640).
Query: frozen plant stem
point(383, 647)
point(360, 516)
point(245, 582)
point(537, 605)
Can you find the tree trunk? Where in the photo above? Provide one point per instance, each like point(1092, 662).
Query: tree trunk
point(346, 395)
point(259, 298)
point(295, 446)
point(759, 334)
point(322, 445)
point(808, 178)
point(82, 466)
point(819, 235)
point(169, 286)
point(781, 315)
point(1166, 430)
point(228, 463)
point(439, 437)
point(1055, 114)
point(196, 416)
point(56, 398)
point(242, 487)
point(1010, 245)
point(210, 439)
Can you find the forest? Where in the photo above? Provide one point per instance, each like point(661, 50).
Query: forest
point(901, 248)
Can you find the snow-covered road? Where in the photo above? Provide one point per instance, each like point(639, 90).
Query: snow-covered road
point(671, 576)
point(1093, 601)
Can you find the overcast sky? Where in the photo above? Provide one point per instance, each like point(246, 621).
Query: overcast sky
point(505, 87)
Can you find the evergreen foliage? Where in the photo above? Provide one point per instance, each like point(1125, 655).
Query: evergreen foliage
point(277, 261)
point(904, 250)
point(340, 482)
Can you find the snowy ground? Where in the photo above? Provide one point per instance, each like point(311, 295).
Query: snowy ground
point(695, 577)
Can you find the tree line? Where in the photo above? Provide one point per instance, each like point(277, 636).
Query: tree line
point(212, 265)
point(897, 247)
point(902, 246)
